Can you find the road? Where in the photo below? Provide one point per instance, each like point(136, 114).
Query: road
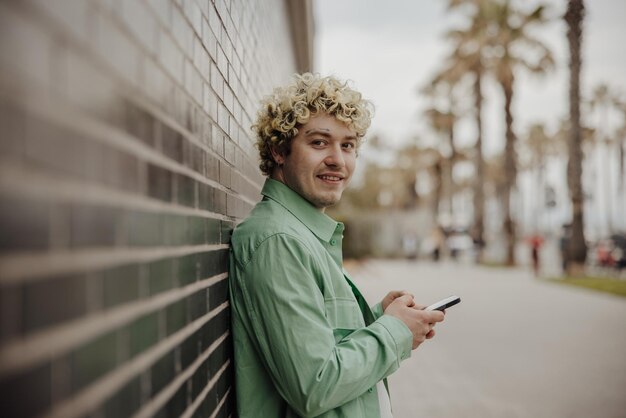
point(514, 347)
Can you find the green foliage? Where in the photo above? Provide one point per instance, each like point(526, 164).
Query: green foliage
point(602, 284)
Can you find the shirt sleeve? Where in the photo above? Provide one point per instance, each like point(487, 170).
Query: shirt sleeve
point(377, 310)
point(313, 370)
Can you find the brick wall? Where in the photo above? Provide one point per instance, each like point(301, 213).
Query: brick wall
point(125, 161)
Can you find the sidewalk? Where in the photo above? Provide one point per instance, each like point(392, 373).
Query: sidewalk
point(514, 347)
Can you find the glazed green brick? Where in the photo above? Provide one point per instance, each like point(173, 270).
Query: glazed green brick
point(10, 312)
point(189, 350)
point(159, 183)
point(139, 123)
point(176, 229)
point(143, 333)
point(26, 394)
point(120, 285)
point(94, 359)
point(219, 203)
point(199, 380)
point(186, 190)
point(54, 148)
point(226, 230)
point(225, 174)
point(25, 224)
point(228, 407)
point(219, 356)
point(161, 276)
point(178, 403)
point(121, 171)
point(61, 367)
point(162, 372)
point(171, 143)
point(197, 230)
point(212, 167)
point(170, 229)
point(224, 382)
point(176, 316)
point(218, 294)
point(13, 126)
point(196, 158)
point(213, 229)
point(205, 194)
point(234, 206)
point(196, 305)
point(125, 402)
point(210, 401)
point(93, 226)
point(215, 328)
point(54, 300)
point(144, 229)
point(213, 263)
point(188, 269)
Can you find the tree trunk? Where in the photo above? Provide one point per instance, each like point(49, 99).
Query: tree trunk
point(605, 147)
point(510, 172)
point(450, 171)
point(576, 248)
point(479, 180)
point(622, 146)
point(438, 189)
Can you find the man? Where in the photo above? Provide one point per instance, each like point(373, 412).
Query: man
point(306, 343)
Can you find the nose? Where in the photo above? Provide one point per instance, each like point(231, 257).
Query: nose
point(335, 157)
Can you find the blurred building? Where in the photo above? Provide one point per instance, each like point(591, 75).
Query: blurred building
point(126, 160)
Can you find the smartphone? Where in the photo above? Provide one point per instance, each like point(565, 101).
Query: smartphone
point(443, 304)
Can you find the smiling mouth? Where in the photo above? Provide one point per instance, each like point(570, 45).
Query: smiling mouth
point(330, 178)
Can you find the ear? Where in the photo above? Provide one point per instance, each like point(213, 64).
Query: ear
point(278, 156)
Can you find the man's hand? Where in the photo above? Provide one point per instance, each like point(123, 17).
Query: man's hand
point(391, 296)
point(420, 322)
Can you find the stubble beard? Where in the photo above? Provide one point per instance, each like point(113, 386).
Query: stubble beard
point(320, 200)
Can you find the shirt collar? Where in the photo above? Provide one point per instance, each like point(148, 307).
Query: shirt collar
point(319, 223)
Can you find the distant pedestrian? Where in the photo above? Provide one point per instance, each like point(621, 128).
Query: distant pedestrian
point(438, 237)
point(564, 244)
point(479, 244)
point(536, 241)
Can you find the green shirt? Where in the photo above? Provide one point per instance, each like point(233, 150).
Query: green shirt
point(305, 342)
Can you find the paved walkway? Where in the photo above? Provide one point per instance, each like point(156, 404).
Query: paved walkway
point(515, 346)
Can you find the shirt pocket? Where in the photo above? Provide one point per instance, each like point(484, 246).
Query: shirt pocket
point(344, 316)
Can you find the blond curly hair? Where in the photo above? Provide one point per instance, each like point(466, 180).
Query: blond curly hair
point(290, 107)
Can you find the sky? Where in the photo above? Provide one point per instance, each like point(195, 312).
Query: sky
point(391, 49)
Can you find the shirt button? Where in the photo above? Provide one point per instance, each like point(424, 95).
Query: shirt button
point(370, 390)
point(333, 242)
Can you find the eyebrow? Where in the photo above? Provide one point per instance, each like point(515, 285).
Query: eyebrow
point(326, 132)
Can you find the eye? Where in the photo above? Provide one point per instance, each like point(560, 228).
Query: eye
point(349, 145)
point(318, 142)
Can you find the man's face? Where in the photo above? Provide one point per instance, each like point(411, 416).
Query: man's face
point(321, 161)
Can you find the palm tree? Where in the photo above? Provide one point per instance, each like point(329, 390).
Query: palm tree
point(588, 144)
point(576, 251)
point(620, 137)
point(467, 59)
point(510, 36)
point(604, 101)
point(444, 92)
point(443, 122)
point(621, 140)
point(538, 147)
